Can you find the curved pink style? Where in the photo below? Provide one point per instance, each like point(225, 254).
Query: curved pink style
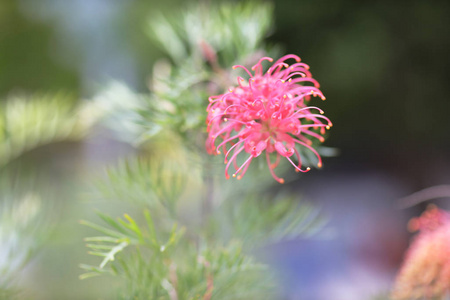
point(268, 113)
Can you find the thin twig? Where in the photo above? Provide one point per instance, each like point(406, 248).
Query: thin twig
point(174, 281)
point(207, 203)
point(209, 281)
point(434, 192)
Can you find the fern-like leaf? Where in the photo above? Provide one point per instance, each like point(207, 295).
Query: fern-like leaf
point(148, 181)
point(27, 122)
point(258, 220)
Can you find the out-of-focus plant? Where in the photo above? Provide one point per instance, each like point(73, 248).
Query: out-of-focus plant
point(152, 181)
point(268, 219)
point(118, 107)
point(22, 230)
point(425, 273)
point(27, 122)
point(157, 263)
point(197, 236)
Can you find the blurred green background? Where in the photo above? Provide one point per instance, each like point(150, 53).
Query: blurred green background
point(384, 67)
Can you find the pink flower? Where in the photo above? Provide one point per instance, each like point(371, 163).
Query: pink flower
point(268, 113)
point(425, 273)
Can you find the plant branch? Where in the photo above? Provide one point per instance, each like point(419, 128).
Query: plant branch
point(434, 192)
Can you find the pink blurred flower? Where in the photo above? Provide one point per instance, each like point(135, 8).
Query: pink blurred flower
point(268, 113)
point(425, 273)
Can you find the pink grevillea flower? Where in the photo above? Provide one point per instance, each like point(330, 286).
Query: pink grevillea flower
point(269, 112)
point(425, 273)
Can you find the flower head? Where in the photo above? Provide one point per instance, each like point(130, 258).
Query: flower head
point(425, 273)
point(268, 113)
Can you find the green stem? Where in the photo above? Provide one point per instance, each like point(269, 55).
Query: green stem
point(208, 197)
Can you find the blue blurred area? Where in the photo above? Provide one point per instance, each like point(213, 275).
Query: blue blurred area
point(358, 256)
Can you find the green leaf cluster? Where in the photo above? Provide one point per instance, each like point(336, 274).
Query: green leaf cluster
point(27, 122)
point(202, 43)
point(24, 227)
point(117, 107)
point(258, 220)
point(232, 30)
point(170, 267)
point(159, 261)
point(145, 181)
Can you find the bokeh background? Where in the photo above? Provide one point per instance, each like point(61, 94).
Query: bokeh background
point(384, 67)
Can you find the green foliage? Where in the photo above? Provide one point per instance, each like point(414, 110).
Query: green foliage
point(27, 122)
point(25, 60)
point(186, 265)
point(145, 181)
point(233, 31)
point(164, 108)
point(23, 229)
point(124, 233)
point(225, 272)
point(268, 219)
point(144, 265)
point(7, 293)
point(203, 43)
point(158, 264)
point(117, 107)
